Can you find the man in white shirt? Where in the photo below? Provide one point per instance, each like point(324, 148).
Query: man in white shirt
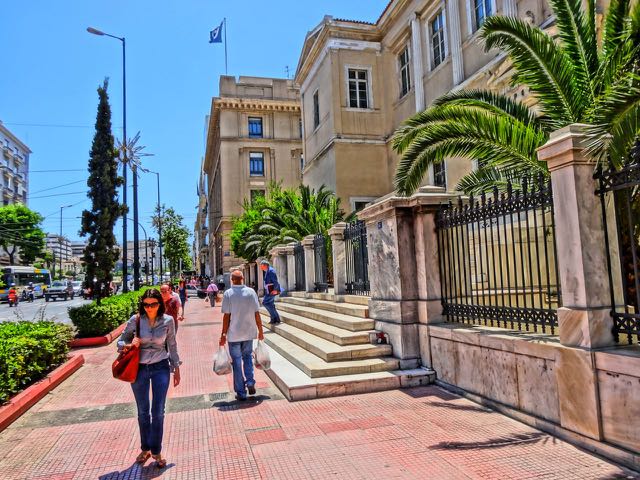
point(241, 323)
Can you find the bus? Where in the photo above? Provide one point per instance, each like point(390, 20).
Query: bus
point(21, 276)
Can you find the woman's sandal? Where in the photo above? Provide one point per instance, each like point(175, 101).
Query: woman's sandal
point(143, 457)
point(160, 462)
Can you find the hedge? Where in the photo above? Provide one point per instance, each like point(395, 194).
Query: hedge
point(93, 320)
point(28, 351)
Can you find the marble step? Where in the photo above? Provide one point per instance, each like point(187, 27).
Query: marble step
point(325, 349)
point(347, 322)
point(330, 297)
point(336, 335)
point(315, 367)
point(344, 308)
point(296, 385)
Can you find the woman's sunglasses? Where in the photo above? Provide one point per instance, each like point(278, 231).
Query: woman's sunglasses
point(150, 304)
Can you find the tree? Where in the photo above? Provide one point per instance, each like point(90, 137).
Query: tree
point(573, 80)
point(284, 216)
point(20, 232)
point(175, 239)
point(101, 253)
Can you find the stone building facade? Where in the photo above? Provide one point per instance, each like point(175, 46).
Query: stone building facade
point(254, 137)
point(358, 82)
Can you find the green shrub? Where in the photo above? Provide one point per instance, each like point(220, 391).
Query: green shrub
point(28, 351)
point(93, 320)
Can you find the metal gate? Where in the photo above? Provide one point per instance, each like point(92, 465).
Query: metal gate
point(298, 253)
point(321, 273)
point(356, 258)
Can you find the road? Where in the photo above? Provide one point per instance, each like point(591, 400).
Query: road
point(56, 311)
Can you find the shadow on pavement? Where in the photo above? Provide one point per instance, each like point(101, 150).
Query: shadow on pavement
point(499, 442)
point(137, 471)
point(457, 406)
point(250, 402)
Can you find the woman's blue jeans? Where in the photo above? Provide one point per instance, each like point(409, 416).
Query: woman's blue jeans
point(242, 361)
point(151, 416)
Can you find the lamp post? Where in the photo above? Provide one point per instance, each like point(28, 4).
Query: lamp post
point(146, 251)
point(125, 286)
point(60, 238)
point(152, 243)
point(157, 174)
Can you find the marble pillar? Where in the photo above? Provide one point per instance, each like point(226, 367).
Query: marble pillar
point(309, 264)
point(455, 37)
point(417, 62)
point(279, 263)
point(584, 319)
point(291, 267)
point(339, 260)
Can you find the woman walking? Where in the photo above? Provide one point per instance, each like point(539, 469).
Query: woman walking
point(182, 293)
point(158, 357)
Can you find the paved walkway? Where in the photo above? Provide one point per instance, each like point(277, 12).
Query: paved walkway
point(86, 429)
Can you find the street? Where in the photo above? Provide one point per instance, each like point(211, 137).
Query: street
point(56, 311)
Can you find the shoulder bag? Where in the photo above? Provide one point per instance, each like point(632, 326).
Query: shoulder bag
point(125, 367)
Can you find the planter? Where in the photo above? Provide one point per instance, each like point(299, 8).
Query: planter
point(24, 400)
point(97, 341)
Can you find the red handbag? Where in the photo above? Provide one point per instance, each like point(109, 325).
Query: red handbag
point(125, 367)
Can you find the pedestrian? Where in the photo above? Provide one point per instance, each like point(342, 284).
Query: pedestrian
point(212, 293)
point(182, 293)
point(158, 358)
point(271, 290)
point(172, 305)
point(240, 324)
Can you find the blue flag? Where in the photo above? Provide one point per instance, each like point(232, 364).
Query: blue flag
point(215, 35)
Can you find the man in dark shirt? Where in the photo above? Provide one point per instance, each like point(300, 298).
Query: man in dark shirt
point(271, 290)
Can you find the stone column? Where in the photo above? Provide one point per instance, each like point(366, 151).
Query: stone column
point(584, 319)
point(291, 267)
point(455, 37)
point(402, 239)
point(509, 8)
point(417, 63)
point(279, 262)
point(309, 264)
point(339, 261)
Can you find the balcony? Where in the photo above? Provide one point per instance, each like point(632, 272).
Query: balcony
point(18, 160)
point(7, 151)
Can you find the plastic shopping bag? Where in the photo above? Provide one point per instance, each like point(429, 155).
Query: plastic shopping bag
point(261, 356)
point(222, 362)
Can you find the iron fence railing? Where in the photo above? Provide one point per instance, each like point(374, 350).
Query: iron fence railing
point(356, 259)
point(321, 269)
point(619, 192)
point(298, 254)
point(497, 259)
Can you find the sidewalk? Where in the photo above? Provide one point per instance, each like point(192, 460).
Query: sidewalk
point(86, 429)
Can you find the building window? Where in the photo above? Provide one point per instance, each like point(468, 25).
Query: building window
point(316, 110)
point(438, 48)
point(357, 206)
point(255, 194)
point(300, 126)
point(256, 164)
point(255, 127)
point(358, 95)
point(482, 10)
point(439, 175)
point(301, 162)
point(405, 72)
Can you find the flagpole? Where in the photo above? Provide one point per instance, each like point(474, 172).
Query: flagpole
point(226, 71)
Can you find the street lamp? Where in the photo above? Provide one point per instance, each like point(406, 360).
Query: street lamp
point(146, 251)
point(125, 287)
point(60, 239)
point(157, 174)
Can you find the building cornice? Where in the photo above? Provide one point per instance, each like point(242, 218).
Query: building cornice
point(14, 139)
point(255, 104)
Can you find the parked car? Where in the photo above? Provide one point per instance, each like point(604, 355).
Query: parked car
point(77, 288)
point(59, 289)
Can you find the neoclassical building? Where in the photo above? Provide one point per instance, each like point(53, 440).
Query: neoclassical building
point(14, 164)
point(253, 138)
point(358, 82)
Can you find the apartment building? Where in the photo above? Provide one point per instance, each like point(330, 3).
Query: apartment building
point(201, 228)
point(359, 81)
point(254, 137)
point(14, 168)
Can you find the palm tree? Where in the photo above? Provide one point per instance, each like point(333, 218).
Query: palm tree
point(573, 79)
point(287, 215)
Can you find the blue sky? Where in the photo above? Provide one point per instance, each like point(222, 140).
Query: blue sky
point(51, 68)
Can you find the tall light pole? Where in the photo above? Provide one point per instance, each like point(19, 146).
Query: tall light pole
point(60, 238)
point(157, 174)
point(125, 284)
point(146, 249)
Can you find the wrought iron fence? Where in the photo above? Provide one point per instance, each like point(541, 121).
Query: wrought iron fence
point(320, 254)
point(356, 258)
point(498, 262)
point(619, 192)
point(298, 254)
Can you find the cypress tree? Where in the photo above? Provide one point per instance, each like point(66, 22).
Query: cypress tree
point(101, 253)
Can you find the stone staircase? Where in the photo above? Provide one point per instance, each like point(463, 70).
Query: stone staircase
point(323, 348)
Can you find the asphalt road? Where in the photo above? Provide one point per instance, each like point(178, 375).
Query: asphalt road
point(56, 311)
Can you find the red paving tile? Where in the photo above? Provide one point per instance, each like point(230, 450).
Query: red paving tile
point(420, 433)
